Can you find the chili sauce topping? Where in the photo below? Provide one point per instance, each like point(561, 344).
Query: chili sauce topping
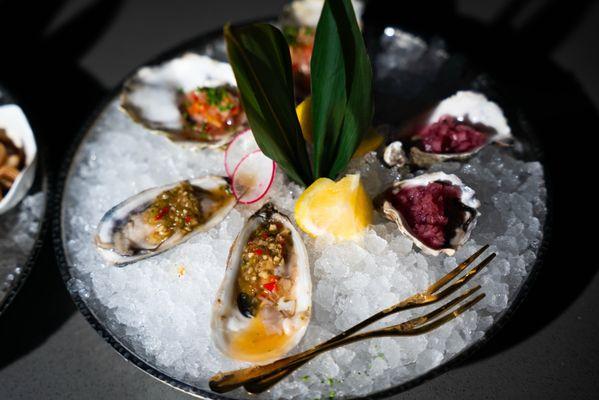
point(263, 277)
point(181, 209)
point(210, 112)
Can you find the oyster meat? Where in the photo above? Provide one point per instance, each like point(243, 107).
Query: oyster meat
point(190, 99)
point(263, 306)
point(456, 129)
point(158, 219)
point(437, 211)
point(18, 156)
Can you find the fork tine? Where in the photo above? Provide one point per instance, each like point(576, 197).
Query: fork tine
point(438, 322)
point(466, 278)
point(266, 381)
point(456, 271)
point(418, 321)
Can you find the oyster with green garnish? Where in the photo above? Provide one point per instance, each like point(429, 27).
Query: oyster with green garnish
point(298, 22)
point(190, 99)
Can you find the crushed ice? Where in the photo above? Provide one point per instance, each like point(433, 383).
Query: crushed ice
point(19, 229)
point(164, 316)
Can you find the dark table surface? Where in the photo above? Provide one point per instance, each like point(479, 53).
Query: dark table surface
point(75, 50)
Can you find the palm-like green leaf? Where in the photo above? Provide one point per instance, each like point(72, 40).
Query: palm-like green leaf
point(342, 103)
point(261, 62)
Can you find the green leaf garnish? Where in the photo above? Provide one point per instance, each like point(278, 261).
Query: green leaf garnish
point(261, 62)
point(342, 103)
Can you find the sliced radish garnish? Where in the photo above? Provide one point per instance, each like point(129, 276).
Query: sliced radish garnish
point(253, 177)
point(241, 146)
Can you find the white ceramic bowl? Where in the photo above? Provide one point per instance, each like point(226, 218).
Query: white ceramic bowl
point(14, 122)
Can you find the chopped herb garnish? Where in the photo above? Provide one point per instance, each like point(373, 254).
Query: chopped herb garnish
point(210, 112)
point(291, 33)
point(214, 95)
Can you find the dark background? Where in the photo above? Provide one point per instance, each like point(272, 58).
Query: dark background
point(59, 58)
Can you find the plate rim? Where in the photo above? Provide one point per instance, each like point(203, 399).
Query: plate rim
point(130, 356)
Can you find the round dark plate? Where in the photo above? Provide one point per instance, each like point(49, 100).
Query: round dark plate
point(432, 74)
point(13, 278)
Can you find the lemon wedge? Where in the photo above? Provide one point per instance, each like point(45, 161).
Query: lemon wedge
point(304, 115)
point(341, 209)
point(371, 142)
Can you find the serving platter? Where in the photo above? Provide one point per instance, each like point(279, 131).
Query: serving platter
point(21, 230)
point(410, 73)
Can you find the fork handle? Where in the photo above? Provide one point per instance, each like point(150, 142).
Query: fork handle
point(225, 382)
point(259, 385)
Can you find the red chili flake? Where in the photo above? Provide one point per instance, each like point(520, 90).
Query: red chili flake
point(265, 235)
point(162, 213)
point(259, 252)
point(270, 286)
point(188, 219)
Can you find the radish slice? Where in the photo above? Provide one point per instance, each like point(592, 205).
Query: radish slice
point(253, 177)
point(241, 146)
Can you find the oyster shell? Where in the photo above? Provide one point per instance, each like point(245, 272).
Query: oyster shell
point(307, 12)
point(15, 127)
point(153, 97)
point(468, 205)
point(465, 106)
point(160, 218)
point(394, 155)
point(298, 22)
point(256, 322)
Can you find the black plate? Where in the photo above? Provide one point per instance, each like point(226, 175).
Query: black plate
point(424, 85)
point(40, 184)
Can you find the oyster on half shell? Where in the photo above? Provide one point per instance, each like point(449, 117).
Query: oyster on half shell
point(160, 218)
point(436, 211)
point(191, 99)
point(307, 12)
point(298, 22)
point(263, 306)
point(464, 114)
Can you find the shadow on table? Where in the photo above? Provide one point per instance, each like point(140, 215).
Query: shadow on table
point(556, 106)
point(39, 65)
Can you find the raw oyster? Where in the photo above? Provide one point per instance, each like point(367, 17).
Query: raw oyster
point(263, 306)
point(456, 129)
point(17, 171)
point(307, 12)
point(190, 99)
point(158, 219)
point(298, 22)
point(437, 211)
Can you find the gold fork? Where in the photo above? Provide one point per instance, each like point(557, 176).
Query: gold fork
point(257, 379)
